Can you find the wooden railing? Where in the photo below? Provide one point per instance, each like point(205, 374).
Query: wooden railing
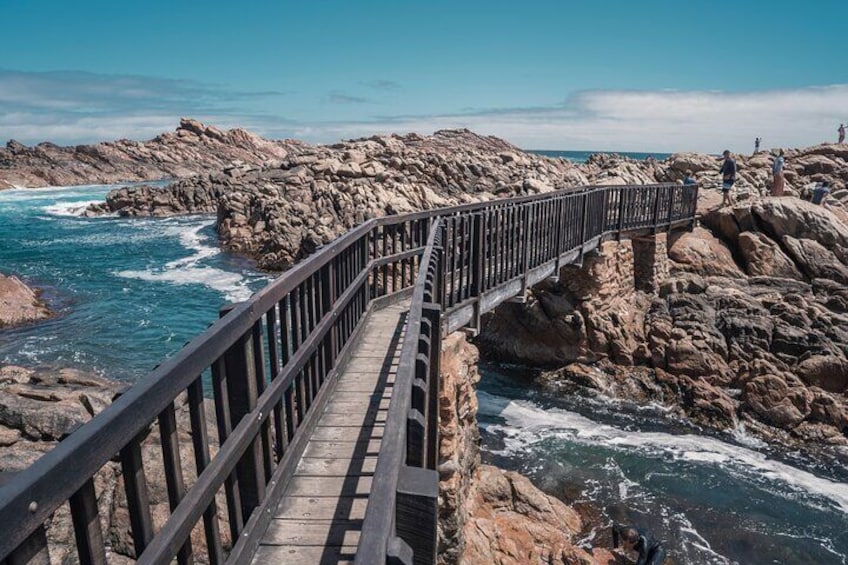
point(267, 367)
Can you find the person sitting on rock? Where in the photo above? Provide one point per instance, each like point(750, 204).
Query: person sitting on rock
point(688, 179)
point(651, 551)
point(728, 177)
point(820, 193)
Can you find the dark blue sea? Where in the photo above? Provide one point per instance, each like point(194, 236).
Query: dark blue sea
point(130, 292)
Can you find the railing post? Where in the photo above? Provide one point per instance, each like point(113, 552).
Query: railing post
point(656, 208)
point(584, 222)
point(242, 392)
point(620, 213)
point(417, 512)
point(673, 191)
point(87, 532)
point(525, 246)
point(433, 314)
point(330, 290)
point(478, 246)
point(693, 207)
point(558, 206)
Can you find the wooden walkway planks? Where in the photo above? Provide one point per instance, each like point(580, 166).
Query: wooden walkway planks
point(319, 517)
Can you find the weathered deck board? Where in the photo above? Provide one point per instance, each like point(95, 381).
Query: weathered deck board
point(319, 517)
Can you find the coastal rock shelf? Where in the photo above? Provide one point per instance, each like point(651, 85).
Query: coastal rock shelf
point(191, 149)
point(19, 304)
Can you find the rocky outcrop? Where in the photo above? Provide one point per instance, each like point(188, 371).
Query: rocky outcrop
point(19, 304)
point(39, 407)
point(513, 523)
point(282, 213)
point(487, 515)
point(192, 149)
point(459, 441)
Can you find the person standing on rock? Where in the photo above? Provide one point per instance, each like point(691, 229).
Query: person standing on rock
point(651, 551)
point(841, 132)
point(757, 145)
point(728, 177)
point(777, 174)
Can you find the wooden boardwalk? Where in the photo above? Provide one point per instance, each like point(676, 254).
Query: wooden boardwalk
point(319, 517)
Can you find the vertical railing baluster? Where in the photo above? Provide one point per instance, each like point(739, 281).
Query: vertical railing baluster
point(138, 501)
point(86, 521)
point(274, 360)
point(224, 421)
point(172, 463)
point(261, 384)
point(242, 387)
point(200, 443)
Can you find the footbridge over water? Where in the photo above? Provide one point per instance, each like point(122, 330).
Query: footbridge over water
point(302, 426)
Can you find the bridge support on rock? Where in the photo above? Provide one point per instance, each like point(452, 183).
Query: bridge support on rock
point(650, 262)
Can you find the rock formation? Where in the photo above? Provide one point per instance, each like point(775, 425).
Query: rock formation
point(19, 304)
point(488, 515)
point(39, 407)
point(282, 212)
point(193, 148)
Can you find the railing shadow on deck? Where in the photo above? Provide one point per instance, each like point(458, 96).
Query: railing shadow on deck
point(268, 366)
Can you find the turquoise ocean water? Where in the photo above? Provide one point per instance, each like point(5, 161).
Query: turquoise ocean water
point(129, 292)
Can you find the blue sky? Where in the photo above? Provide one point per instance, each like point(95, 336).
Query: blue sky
point(652, 76)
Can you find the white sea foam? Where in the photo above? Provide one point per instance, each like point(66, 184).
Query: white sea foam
point(693, 538)
point(76, 208)
point(189, 270)
point(527, 424)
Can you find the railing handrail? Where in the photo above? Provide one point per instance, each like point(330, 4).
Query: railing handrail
point(34, 494)
point(393, 445)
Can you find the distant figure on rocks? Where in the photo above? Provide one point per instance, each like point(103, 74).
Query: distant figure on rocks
point(757, 145)
point(841, 132)
point(777, 174)
point(651, 551)
point(728, 177)
point(688, 178)
point(820, 193)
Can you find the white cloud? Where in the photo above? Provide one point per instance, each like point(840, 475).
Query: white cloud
point(75, 107)
point(661, 121)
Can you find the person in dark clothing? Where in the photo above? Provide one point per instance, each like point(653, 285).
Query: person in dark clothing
point(728, 177)
point(757, 145)
point(651, 551)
